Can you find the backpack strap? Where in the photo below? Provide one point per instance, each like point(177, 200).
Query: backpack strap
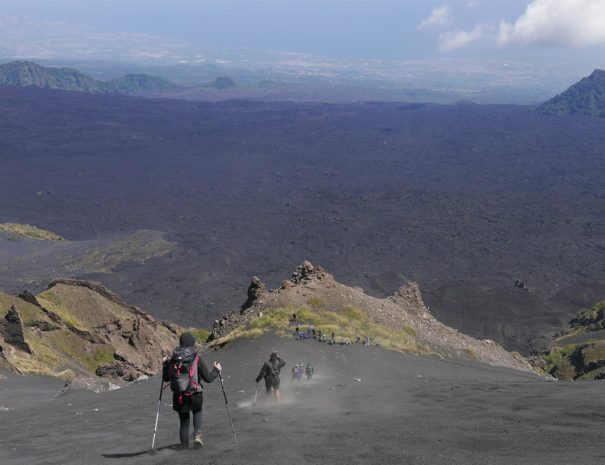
point(194, 374)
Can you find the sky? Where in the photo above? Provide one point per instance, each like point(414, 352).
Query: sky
point(355, 29)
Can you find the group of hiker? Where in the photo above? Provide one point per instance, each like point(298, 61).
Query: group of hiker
point(184, 370)
point(301, 334)
point(300, 368)
point(322, 336)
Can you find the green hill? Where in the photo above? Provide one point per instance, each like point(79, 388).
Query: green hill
point(26, 73)
point(134, 83)
point(585, 97)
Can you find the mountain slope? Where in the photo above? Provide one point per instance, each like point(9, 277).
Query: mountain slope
point(80, 328)
point(401, 321)
point(585, 97)
point(26, 73)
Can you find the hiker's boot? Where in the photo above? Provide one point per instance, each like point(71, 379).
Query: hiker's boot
point(197, 440)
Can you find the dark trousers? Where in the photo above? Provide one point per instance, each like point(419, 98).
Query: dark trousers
point(197, 424)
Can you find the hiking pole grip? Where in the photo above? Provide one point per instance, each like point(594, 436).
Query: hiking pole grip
point(220, 377)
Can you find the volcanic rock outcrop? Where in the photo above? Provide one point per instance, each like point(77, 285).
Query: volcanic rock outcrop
point(82, 328)
point(403, 311)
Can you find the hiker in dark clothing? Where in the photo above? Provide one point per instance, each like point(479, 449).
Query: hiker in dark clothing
point(270, 371)
point(309, 371)
point(184, 370)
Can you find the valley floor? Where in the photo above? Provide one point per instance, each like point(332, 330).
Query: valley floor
point(364, 405)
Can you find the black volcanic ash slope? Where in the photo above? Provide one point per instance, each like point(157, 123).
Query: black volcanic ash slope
point(585, 97)
point(365, 405)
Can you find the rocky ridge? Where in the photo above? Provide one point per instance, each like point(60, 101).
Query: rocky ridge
point(403, 310)
point(81, 329)
point(26, 73)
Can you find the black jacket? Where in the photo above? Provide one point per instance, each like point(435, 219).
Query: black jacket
point(270, 368)
point(196, 399)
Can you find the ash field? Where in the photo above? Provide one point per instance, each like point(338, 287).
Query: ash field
point(464, 199)
point(364, 405)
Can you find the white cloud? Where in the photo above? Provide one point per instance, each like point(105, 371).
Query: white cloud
point(473, 3)
point(452, 40)
point(558, 23)
point(440, 16)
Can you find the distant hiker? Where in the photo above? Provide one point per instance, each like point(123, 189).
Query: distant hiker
point(309, 371)
point(297, 371)
point(184, 370)
point(294, 317)
point(270, 372)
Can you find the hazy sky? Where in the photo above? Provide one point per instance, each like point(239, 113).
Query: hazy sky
point(391, 29)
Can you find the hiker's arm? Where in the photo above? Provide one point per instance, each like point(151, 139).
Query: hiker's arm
point(261, 375)
point(206, 375)
point(166, 371)
point(281, 363)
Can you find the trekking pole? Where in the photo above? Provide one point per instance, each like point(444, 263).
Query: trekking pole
point(220, 377)
point(157, 415)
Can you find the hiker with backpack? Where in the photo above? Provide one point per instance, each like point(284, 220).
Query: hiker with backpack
point(185, 370)
point(309, 371)
point(270, 372)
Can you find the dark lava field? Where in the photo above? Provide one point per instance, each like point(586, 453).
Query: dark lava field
point(464, 199)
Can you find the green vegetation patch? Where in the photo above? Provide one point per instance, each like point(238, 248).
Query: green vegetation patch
point(81, 307)
point(201, 335)
point(29, 232)
point(28, 312)
point(137, 247)
point(346, 322)
point(592, 319)
point(577, 361)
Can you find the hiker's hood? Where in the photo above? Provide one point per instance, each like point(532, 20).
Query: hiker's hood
point(187, 340)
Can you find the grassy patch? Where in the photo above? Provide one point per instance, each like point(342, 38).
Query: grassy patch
point(137, 247)
point(29, 232)
point(239, 333)
point(346, 322)
point(103, 356)
point(27, 311)
point(200, 334)
point(81, 307)
point(592, 319)
point(559, 362)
